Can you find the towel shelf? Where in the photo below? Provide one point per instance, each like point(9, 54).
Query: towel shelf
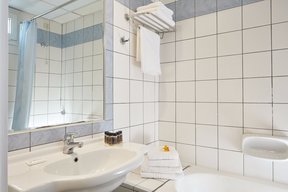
point(152, 21)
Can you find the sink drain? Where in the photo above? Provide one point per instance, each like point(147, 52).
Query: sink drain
point(76, 159)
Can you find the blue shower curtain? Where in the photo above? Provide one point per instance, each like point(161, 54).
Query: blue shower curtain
point(25, 76)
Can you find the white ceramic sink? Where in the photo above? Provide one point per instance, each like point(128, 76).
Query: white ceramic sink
point(93, 168)
point(95, 162)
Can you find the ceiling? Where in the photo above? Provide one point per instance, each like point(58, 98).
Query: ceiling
point(65, 14)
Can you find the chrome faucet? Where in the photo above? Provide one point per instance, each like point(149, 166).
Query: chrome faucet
point(69, 143)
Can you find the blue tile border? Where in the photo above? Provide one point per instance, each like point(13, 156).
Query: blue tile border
point(70, 39)
point(186, 9)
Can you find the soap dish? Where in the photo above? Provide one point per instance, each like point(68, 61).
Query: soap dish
point(265, 147)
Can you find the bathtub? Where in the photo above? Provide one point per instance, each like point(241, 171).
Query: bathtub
point(199, 179)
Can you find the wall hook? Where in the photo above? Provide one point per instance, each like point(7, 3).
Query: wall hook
point(123, 40)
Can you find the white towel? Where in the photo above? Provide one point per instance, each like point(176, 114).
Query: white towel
point(160, 175)
point(158, 153)
point(148, 51)
point(167, 170)
point(166, 163)
point(148, 18)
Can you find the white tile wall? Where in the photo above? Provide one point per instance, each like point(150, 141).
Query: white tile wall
point(230, 78)
point(135, 96)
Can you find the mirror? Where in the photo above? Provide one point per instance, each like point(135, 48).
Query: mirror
point(67, 78)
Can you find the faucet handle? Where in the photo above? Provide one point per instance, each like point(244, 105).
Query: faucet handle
point(69, 137)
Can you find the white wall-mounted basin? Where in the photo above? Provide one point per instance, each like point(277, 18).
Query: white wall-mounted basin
point(93, 168)
point(265, 147)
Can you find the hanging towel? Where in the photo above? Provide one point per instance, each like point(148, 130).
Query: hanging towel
point(148, 51)
point(159, 154)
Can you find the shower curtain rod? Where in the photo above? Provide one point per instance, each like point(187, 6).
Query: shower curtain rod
point(51, 10)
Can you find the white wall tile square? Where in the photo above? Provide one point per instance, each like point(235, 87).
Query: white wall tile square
point(185, 50)
point(121, 115)
point(230, 43)
point(167, 131)
point(149, 92)
point(206, 69)
point(280, 92)
point(136, 134)
point(167, 92)
point(167, 52)
point(280, 119)
point(230, 67)
point(230, 114)
point(185, 70)
point(206, 25)
point(279, 11)
point(257, 90)
point(230, 138)
point(230, 161)
point(149, 133)
point(121, 65)
point(136, 91)
point(207, 157)
point(257, 39)
point(136, 114)
point(185, 112)
point(230, 90)
point(206, 113)
point(168, 72)
point(121, 10)
point(206, 91)
point(185, 133)
point(256, 14)
point(167, 111)
point(206, 135)
point(280, 39)
point(258, 116)
point(186, 153)
point(229, 20)
point(259, 168)
point(185, 91)
point(185, 29)
point(206, 47)
point(121, 90)
point(257, 64)
point(149, 112)
point(279, 62)
point(118, 46)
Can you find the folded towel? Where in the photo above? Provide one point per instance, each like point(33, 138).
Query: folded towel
point(155, 21)
point(166, 163)
point(156, 6)
point(158, 153)
point(148, 51)
point(167, 170)
point(160, 175)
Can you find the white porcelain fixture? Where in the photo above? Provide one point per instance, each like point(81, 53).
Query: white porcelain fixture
point(95, 167)
point(206, 180)
point(265, 147)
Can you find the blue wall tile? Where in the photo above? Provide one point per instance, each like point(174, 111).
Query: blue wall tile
point(228, 4)
point(204, 7)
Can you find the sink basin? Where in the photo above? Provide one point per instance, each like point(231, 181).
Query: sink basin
point(93, 168)
point(95, 162)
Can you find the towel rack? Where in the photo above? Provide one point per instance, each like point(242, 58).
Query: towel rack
point(152, 21)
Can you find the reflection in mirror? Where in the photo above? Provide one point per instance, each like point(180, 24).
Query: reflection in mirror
point(59, 78)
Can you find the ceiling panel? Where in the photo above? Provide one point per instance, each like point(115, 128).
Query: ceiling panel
point(56, 2)
point(56, 13)
point(66, 18)
point(38, 8)
point(78, 4)
point(92, 8)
